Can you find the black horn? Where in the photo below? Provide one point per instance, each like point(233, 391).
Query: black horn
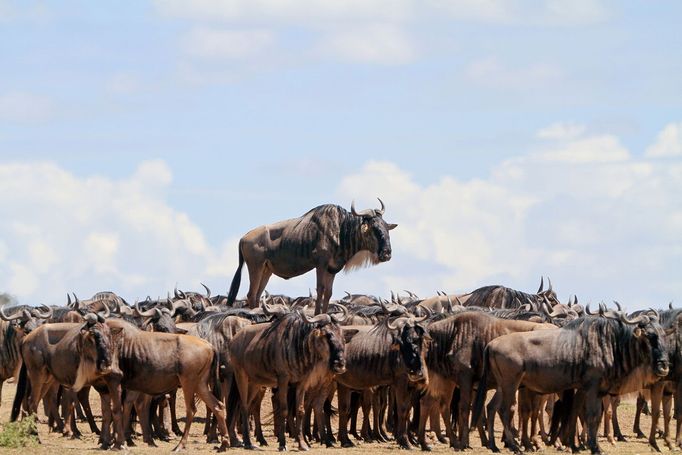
point(208, 291)
point(542, 285)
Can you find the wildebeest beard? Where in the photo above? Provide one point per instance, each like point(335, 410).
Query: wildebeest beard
point(362, 249)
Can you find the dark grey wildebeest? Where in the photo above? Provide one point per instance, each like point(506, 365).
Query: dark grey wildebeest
point(327, 238)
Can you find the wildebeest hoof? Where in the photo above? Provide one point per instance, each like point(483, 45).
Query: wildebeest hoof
point(282, 448)
point(347, 444)
point(639, 434)
point(426, 447)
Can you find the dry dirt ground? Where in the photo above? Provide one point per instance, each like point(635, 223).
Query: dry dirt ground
point(52, 443)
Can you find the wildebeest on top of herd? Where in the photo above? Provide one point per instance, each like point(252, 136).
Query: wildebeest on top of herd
point(406, 362)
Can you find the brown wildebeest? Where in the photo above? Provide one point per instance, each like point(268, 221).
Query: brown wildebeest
point(327, 239)
point(14, 326)
point(156, 363)
point(455, 359)
point(391, 352)
point(291, 350)
point(503, 297)
point(71, 354)
point(594, 355)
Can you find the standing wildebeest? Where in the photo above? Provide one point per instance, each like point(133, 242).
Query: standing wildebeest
point(327, 239)
point(291, 350)
point(13, 328)
point(594, 355)
point(388, 353)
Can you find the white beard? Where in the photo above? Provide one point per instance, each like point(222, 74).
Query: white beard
point(87, 372)
point(360, 260)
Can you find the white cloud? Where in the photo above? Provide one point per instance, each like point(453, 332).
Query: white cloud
point(561, 130)
point(25, 107)
point(583, 211)
point(214, 43)
point(89, 234)
point(308, 12)
point(525, 12)
point(490, 72)
point(597, 149)
point(668, 142)
point(376, 43)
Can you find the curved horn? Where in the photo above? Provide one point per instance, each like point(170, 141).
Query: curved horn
point(76, 303)
point(90, 319)
point(642, 318)
point(618, 306)
point(3, 316)
point(106, 313)
point(428, 311)
point(542, 285)
point(368, 212)
point(175, 291)
point(323, 318)
point(549, 281)
point(587, 310)
point(459, 302)
point(68, 300)
point(208, 291)
point(602, 309)
point(450, 305)
point(392, 297)
point(382, 209)
point(144, 314)
point(384, 306)
point(338, 319)
point(348, 295)
point(395, 326)
point(670, 305)
point(46, 315)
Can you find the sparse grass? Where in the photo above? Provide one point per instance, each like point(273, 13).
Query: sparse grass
point(15, 435)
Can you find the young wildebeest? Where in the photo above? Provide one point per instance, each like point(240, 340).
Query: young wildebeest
point(327, 239)
point(291, 350)
point(388, 353)
point(594, 355)
point(456, 359)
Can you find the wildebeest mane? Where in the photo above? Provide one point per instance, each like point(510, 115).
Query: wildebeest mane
point(499, 297)
point(9, 355)
point(289, 334)
point(607, 343)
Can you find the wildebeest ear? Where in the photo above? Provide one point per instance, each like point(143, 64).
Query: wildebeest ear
point(364, 227)
point(392, 226)
point(638, 332)
point(348, 334)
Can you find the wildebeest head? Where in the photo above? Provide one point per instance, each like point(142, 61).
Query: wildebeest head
point(327, 341)
point(374, 231)
point(96, 346)
point(158, 318)
point(413, 342)
point(649, 331)
point(26, 320)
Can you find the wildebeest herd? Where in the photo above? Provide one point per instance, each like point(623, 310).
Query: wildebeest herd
point(556, 369)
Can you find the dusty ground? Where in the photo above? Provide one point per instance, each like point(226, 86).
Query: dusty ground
point(55, 444)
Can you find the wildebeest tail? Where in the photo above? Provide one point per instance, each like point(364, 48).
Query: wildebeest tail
point(215, 375)
point(561, 414)
point(22, 390)
point(237, 279)
point(233, 403)
point(479, 401)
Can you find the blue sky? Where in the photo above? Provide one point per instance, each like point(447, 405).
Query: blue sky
point(509, 139)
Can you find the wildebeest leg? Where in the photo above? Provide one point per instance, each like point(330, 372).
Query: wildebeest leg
point(254, 410)
point(428, 402)
point(354, 407)
point(656, 395)
point(403, 403)
point(114, 385)
point(641, 401)
point(69, 399)
point(678, 414)
point(299, 410)
point(344, 398)
point(366, 431)
point(525, 409)
point(175, 428)
point(377, 414)
point(614, 417)
point(491, 411)
point(84, 399)
point(217, 408)
point(465, 397)
point(259, 274)
point(325, 282)
point(508, 394)
point(105, 434)
point(667, 403)
point(593, 411)
point(606, 405)
point(536, 416)
point(283, 411)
